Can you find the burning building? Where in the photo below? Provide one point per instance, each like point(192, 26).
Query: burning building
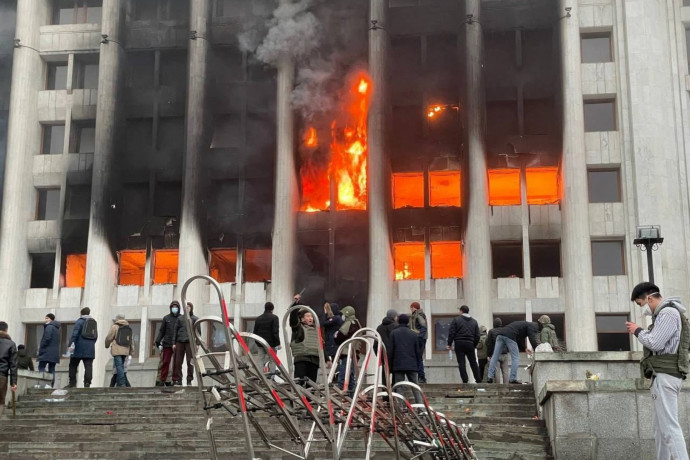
point(494, 153)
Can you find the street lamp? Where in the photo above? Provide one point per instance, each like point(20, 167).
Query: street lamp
point(648, 239)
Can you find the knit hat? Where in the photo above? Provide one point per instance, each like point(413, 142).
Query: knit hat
point(415, 305)
point(543, 319)
point(498, 322)
point(403, 319)
point(51, 316)
point(391, 314)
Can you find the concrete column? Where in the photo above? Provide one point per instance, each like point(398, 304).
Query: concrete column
point(576, 250)
point(286, 198)
point(477, 278)
point(101, 264)
point(380, 257)
point(192, 237)
point(23, 142)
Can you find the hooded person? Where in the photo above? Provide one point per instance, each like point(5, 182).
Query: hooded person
point(548, 332)
point(49, 348)
point(332, 321)
point(119, 340)
point(165, 341)
point(24, 361)
point(464, 335)
point(386, 327)
point(350, 325)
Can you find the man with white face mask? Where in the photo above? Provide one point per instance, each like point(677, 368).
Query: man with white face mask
point(665, 361)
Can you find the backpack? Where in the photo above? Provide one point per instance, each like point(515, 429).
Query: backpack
point(89, 329)
point(124, 336)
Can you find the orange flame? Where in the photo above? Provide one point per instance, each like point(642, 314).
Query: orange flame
point(403, 274)
point(347, 156)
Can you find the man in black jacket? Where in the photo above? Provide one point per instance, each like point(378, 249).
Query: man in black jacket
point(164, 342)
point(182, 347)
point(404, 353)
point(464, 333)
point(267, 326)
point(8, 364)
point(512, 334)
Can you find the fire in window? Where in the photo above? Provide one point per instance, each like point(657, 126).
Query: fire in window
point(444, 188)
point(408, 190)
point(223, 265)
point(132, 266)
point(504, 187)
point(542, 185)
point(75, 270)
point(257, 265)
point(409, 261)
point(165, 266)
point(446, 259)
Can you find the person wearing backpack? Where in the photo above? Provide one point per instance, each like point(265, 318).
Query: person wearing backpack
point(83, 347)
point(119, 340)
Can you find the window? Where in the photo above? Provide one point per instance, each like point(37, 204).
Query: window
point(604, 186)
point(145, 10)
point(441, 330)
point(57, 76)
point(75, 270)
point(155, 329)
point(446, 259)
point(48, 204)
point(257, 265)
point(545, 259)
point(132, 266)
point(168, 199)
point(136, 337)
point(53, 139)
point(504, 187)
point(83, 139)
point(542, 185)
point(165, 262)
point(506, 259)
point(444, 188)
point(607, 258)
point(600, 116)
point(596, 47)
point(77, 11)
point(409, 261)
point(223, 265)
point(42, 270)
point(86, 73)
point(78, 202)
point(611, 333)
point(216, 337)
point(408, 190)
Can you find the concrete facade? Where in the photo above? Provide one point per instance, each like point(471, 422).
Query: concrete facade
point(190, 128)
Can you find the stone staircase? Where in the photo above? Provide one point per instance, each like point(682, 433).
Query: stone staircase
point(146, 423)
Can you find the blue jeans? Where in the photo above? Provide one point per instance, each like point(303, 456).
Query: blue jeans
point(119, 363)
point(512, 346)
point(342, 365)
point(51, 369)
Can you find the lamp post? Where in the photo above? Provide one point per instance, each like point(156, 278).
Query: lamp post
point(648, 239)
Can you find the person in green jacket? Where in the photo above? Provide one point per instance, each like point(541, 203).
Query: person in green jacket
point(482, 356)
point(548, 332)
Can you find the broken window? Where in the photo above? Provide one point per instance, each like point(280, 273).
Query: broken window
point(57, 76)
point(539, 116)
point(446, 259)
point(607, 258)
point(257, 265)
point(408, 190)
point(77, 11)
point(542, 185)
point(42, 270)
point(132, 267)
point(168, 199)
point(78, 202)
point(502, 117)
point(53, 139)
point(600, 116)
point(75, 270)
point(612, 334)
point(48, 204)
point(504, 187)
point(409, 261)
point(596, 47)
point(223, 265)
point(165, 262)
point(444, 188)
point(545, 258)
point(604, 185)
point(506, 260)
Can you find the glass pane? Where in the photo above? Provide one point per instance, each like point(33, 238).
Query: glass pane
point(596, 48)
point(613, 342)
point(87, 139)
point(542, 185)
point(64, 12)
point(90, 76)
point(611, 323)
point(600, 116)
point(607, 258)
point(93, 14)
point(57, 76)
point(441, 328)
point(48, 204)
point(53, 139)
point(604, 186)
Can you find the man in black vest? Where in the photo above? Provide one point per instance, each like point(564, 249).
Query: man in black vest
point(665, 361)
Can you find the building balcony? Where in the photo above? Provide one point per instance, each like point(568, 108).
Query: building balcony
point(68, 38)
point(53, 104)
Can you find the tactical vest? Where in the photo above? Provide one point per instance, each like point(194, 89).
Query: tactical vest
point(307, 347)
point(673, 364)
